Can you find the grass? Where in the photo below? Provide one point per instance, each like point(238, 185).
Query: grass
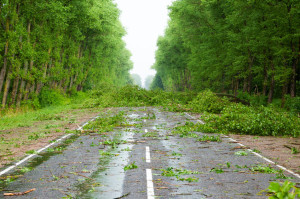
point(19, 129)
point(28, 118)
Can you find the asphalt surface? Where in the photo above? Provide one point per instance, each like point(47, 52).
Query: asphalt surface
point(84, 168)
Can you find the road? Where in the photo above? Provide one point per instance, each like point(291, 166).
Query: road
point(168, 165)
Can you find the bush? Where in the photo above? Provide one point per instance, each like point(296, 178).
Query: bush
point(293, 104)
point(221, 115)
point(134, 96)
point(50, 97)
point(207, 101)
point(254, 100)
point(265, 121)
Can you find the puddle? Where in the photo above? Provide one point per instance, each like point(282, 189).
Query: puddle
point(133, 116)
point(109, 178)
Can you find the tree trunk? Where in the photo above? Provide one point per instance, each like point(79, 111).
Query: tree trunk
point(6, 89)
point(272, 85)
point(15, 90)
point(21, 90)
point(265, 83)
point(71, 82)
point(32, 88)
point(237, 83)
point(4, 68)
point(294, 71)
point(29, 83)
point(250, 75)
point(41, 83)
point(293, 79)
point(245, 84)
point(284, 92)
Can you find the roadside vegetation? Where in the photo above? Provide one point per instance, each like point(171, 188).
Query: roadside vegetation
point(221, 115)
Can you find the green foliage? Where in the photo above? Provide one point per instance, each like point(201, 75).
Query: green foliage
point(130, 166)
point(50, 97)
point(134, 96)
point(206, 138)
point(106, 124)
point(241, 153)
point(70, 46)
point(185, 130)
point(286, 190)
point(293, 104)
point(173, 172)
point(217, 170)
point(254, 100)
point(264, 169)
point(231, 47)
point(294, 150)
point(241, 119)
point(157, 83)
point(207, 101)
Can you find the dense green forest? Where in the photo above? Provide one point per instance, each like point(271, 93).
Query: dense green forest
point(231, 46)
point(59, 45)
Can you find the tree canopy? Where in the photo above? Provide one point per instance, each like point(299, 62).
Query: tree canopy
point(231, 46)
point(66, 45)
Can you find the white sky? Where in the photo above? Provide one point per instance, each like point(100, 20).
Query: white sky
point(144, 21)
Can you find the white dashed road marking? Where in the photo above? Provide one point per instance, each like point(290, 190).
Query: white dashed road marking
point(150, 188)
point(148, 159)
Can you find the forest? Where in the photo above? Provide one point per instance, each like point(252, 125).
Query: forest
point(233, 47)
point(59, 46)
point(224, 68)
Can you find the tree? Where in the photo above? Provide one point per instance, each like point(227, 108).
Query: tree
point(63, 45)
point(148, 81)
point(137, 80)
point(231, 46)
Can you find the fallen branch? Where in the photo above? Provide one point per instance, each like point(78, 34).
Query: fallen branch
point(136, 141)
point(288, 147)
point(19, 193)
point(123, 196)
point(233, 98)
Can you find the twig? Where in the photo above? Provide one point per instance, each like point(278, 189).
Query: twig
point(19, 193)
point(125, 195)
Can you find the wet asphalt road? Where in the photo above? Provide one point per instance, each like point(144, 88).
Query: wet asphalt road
point(83, 168)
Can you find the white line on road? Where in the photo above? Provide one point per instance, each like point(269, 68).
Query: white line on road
point(150, 187)
point(148, 159)
point(42, 149)
point(266, 159)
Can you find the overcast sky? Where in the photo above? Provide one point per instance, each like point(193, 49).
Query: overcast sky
point(144, 21)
